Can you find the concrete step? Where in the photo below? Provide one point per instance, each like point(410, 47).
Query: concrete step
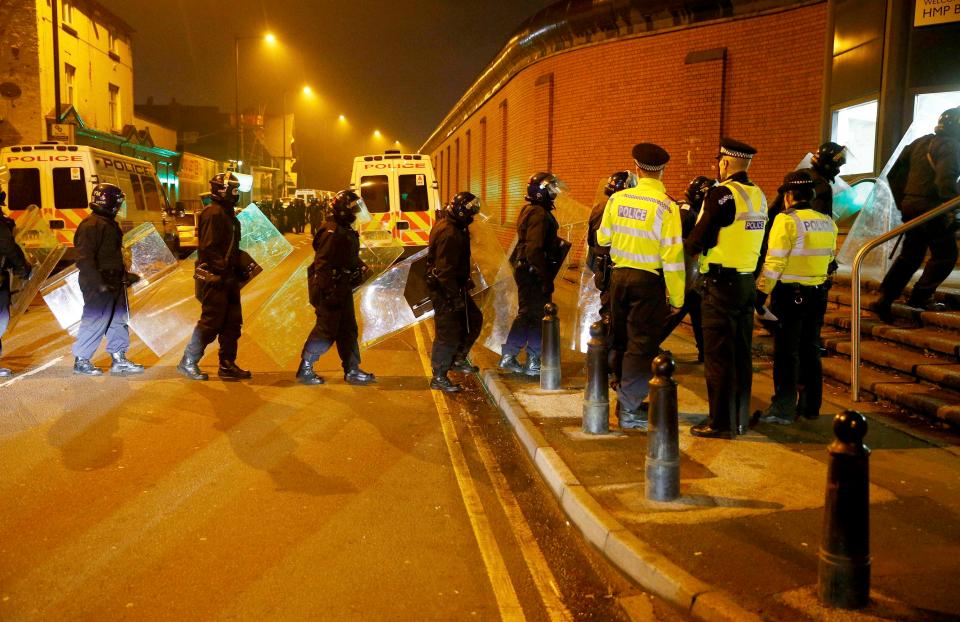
point(930, 401)
point(841, 298)
point(948, 292)
point(939, 370)
point(939, 340)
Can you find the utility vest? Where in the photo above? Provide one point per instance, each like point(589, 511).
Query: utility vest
point(738, 244)
point(802, 245)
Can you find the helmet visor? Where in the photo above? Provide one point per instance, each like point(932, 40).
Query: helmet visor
point(363, 214)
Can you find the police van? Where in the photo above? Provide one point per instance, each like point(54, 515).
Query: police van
point(402, 195)
point(59, 178)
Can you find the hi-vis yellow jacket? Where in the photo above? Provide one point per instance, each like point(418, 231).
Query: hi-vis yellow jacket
point(738, 244)
point(641, 226)
point(801, 247)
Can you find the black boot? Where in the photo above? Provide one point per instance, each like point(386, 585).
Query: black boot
point(359, 377)
point(122, 366)
point(5, 373)
point(441, 382)
point(509, 362)
point(85, 367)
point(532, 368)
point(189, 369)
point(461, 364)
point(229, 371)
point(882, 308)
point(306, 375)
point(632, 420)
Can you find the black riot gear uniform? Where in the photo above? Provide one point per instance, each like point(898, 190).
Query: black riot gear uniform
point(12, 259)
point(335, 271)
point(103, 279)
point(932, 169)
point(535, 264)
point(598, 257)
point(457, 319)
point(221, 270)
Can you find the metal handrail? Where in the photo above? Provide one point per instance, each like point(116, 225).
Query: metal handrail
point(855, 285)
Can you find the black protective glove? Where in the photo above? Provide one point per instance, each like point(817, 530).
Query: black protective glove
point(760, 301)
point(130, 278)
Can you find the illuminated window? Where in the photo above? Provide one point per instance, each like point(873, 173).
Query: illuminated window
point(67, 11)
point(928, 106)
point(70, 73)
point(856, 128)
point(114, 107)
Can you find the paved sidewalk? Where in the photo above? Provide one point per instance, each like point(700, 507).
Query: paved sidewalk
point(742, 540)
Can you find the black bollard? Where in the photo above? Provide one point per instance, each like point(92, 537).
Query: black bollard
point(550, 355)
point(663, 435)
point(596, 396)
point(844, 569)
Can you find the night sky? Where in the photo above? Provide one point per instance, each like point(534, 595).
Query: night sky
point(393, 65)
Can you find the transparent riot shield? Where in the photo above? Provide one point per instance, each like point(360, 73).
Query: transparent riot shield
point(878, 215)
point(145, 254)
point(285, 320)
point(399, 298)
point(260, 239)
point(845, 199)
point(42, 251)
point(588, 306)
point(499, 304)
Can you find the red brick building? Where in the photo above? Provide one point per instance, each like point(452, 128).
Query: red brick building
point(581, 82)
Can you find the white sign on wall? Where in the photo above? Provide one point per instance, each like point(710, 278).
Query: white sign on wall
point(933, 12)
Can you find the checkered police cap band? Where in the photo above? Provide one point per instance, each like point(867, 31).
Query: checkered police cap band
point(724, 151)
point(650, 167)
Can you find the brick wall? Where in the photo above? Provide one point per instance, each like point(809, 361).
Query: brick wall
point(757, 79)
point(22, 119)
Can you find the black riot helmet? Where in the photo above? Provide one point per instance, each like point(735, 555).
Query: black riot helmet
point(3, 198)
point(828, 159)
point(225, 188)
point(463, 207)
point(107, 199)
point(696, 191)
point(542, 189)
point(620, 180)
point(346, 206)
point(949, 123)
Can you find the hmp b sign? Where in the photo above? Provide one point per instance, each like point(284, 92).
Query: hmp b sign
point(932, 12)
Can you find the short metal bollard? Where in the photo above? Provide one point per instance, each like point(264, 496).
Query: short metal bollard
point(550, 354)
point(596, 395)
point(844, 568)
point(663, 435)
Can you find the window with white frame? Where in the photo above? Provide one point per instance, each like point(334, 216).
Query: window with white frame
point(70, 79)
point(855, 127)
point(112, 41)
point(927, 107)
point(114, 107)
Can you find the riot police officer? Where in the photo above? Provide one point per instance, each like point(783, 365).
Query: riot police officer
point(689, 211)
point(801, 248)
point(727, 237)
point(932, 167)
point(457, 319)
point(535, 264)
point(598, 257)
point(335, 271)
point(642, 227)
point(220, 271)
point(103, 279)
point(12, 259)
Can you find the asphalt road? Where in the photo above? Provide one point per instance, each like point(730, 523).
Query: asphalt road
point(156, 498)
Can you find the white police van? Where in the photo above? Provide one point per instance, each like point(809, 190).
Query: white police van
point(400, 190)
point(59, 178)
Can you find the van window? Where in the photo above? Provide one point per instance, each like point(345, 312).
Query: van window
point(375, 192)
point(70, 188)
point(125, 183)
point(137, 192)
point(151, 193)
point(24, 188)
point(413, 193)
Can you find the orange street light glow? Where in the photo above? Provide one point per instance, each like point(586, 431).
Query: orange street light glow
point(269, 38)
point(307, 90)
point(342, 118)
point(376, 134)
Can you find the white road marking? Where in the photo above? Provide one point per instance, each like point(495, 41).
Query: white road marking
point(31, 372)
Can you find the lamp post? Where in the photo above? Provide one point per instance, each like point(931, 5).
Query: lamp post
point(268, 38)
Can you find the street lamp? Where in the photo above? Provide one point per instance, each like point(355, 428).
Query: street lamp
point(269, 39)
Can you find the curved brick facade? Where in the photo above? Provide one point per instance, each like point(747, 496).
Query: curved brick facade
point(758, 79)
